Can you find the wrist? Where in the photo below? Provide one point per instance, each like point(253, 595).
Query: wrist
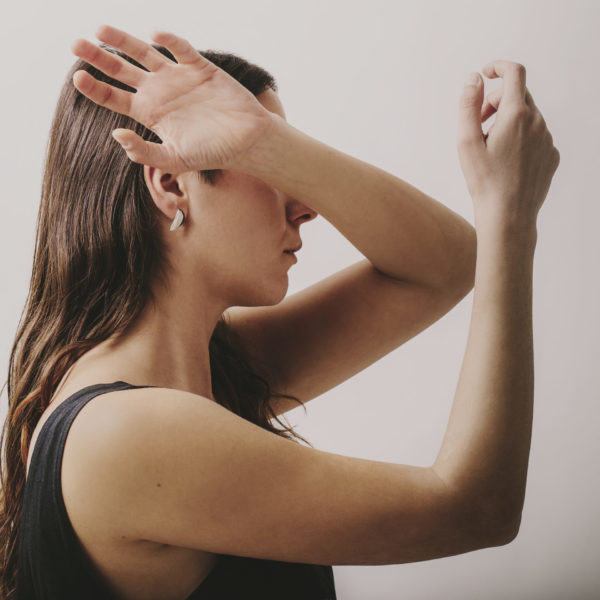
point(515, 227)
point(260, 158)
point(294, 163)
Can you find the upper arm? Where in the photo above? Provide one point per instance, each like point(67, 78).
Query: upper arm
point(196, 475)
point(324, 334)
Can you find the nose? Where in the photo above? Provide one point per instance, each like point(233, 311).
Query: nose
point(300, 213)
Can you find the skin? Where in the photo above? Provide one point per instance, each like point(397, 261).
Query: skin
point(228, 252)
point(405, 241)
point(472, 496)
point(419, 254)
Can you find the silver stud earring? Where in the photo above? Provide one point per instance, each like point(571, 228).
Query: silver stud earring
point(178, 220)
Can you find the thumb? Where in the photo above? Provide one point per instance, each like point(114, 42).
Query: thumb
point(469, 114)
point(140, 151)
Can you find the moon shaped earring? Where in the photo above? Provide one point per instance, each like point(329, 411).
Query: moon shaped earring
point(178, 220)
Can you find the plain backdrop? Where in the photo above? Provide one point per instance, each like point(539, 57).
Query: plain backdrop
point(381, 81)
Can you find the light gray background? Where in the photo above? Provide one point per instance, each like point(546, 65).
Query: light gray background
point(381, 81)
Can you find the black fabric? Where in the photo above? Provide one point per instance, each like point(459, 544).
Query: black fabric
point(53, 564)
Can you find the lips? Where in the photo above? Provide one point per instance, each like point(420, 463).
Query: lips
point(294, 249)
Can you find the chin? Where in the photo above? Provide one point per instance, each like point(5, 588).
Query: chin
point(276, 297)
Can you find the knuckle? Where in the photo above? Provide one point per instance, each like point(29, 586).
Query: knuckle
point(556, 156)
point(96, 53)
point(520, 69)
point(538, 122)
point(520, 112)
point(115, 69)
point(143, 54)
point(468, 101)
point(143, 151)
point(540, 118)
point(107, 95)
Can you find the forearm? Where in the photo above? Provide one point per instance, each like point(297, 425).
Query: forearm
point(485, 451)
point(402, 231)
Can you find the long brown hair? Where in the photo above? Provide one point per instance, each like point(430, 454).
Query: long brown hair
point(97, 254)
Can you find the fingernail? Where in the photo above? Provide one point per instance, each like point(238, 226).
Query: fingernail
point(472, 79)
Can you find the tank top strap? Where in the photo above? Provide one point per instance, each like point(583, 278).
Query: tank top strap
point(55, 429)
point(52, 561)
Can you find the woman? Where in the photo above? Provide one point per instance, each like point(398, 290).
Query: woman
point(158, 281)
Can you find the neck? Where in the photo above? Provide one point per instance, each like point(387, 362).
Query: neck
point(168, 345)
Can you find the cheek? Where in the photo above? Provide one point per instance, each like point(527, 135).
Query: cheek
point(258, 228)
point(247, 222)
point(242, 242)
point(258, 206)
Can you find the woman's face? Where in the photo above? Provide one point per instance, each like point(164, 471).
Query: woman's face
point(239, 229)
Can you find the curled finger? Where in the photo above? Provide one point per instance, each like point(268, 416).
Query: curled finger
point(491, 104)
point(513, 78)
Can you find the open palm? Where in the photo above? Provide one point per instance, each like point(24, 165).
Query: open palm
point(205, 118)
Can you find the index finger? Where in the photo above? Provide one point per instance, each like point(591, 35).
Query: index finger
point(513, 75)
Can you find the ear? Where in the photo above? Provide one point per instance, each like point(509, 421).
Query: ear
point(166, 191)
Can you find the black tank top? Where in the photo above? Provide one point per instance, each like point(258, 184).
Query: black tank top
point(52, 563)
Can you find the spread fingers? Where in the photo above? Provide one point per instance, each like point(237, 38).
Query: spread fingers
point(109, 63)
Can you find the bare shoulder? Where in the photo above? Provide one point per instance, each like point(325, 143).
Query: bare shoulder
point(89, 491)
point(136, 567)
point(203, 477)
point(127, 408)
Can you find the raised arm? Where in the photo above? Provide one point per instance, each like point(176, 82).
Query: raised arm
point(485, 450)
point(223, 492)
point(208, 120)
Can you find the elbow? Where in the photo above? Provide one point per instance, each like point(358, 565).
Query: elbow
point(510, 532)
point(497, 521)
point(503, 533)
